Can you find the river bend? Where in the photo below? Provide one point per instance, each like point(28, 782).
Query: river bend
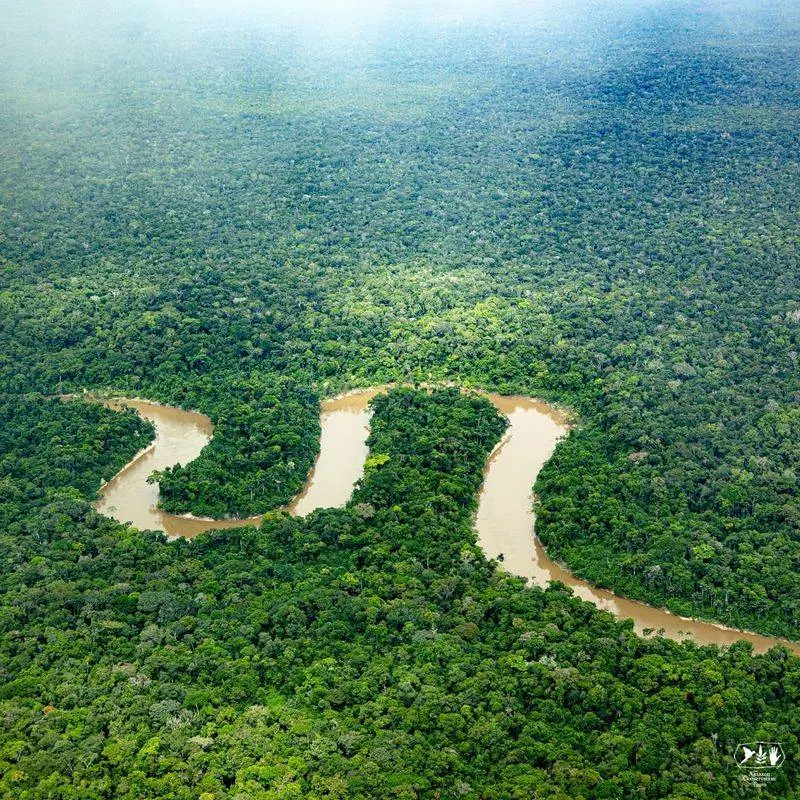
point(504, 520)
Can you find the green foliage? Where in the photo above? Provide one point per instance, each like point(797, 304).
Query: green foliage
point(603, 214)
point(350, 655)
point(266, 436)
point(53, 444)
point(616, 231)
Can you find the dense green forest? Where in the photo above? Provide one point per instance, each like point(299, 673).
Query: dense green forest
point(222, 220)
point(242, 214)
point(365, 652)
point(49, 444)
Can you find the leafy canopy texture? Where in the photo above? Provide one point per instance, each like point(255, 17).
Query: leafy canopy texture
point(600, 211)
point(367, 652)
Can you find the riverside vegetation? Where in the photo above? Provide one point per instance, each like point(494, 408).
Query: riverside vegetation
point(605, 217)
point(364, 652)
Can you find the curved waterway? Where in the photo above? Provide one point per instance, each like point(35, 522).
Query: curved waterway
point(181, 435)
point(504, 520)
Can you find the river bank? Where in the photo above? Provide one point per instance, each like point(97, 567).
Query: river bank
point(504, 520)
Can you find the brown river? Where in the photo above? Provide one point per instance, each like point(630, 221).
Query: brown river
point(504, 520)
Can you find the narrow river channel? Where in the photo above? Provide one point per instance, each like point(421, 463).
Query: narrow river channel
point(504, 521)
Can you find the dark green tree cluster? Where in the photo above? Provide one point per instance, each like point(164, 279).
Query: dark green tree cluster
point(365, 652)
point(49, 444)
point(265, 438)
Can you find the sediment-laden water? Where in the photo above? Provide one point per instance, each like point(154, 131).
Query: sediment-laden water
point(504, 520)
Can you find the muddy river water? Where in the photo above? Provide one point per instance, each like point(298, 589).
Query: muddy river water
point(504, 520)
